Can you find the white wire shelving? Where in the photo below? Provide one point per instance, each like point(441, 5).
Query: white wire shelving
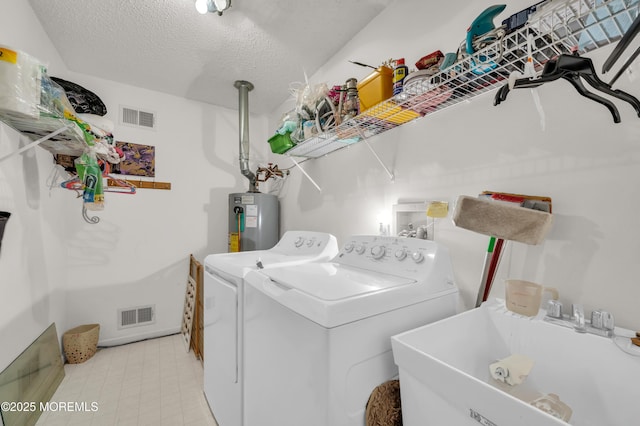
point(557, 27)
point(57, 135)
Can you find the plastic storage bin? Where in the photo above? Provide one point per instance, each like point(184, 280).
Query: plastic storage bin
point(280, 143)
point(81, 343)
point(375, 88)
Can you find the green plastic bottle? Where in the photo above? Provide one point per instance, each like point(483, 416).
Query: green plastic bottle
point(93, 194)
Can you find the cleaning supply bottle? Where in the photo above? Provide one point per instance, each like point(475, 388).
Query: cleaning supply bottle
point(91, 175)
point(399, 73)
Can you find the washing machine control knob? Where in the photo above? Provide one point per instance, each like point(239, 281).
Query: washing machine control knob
point(311, 242)
point(417, 256)
point(378, 252)
point(299, 241)
point(348, 248)
point(401, 254)
point(360, 249)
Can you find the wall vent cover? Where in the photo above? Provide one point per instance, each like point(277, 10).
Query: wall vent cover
point(135, 317)
point(135, 117)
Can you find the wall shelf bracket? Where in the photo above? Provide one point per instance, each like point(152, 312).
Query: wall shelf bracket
point(34, 143)
point(306, 174)
point(392, 178)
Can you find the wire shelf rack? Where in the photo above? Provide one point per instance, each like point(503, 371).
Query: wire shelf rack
point(557, 27)
point(69, 141)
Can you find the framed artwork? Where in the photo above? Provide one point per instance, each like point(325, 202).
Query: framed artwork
point(139, 160)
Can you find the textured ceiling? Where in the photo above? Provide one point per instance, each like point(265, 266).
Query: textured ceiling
point(166, 46)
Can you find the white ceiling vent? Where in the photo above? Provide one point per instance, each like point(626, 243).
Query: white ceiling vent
point(135, 117)
point(134, 317)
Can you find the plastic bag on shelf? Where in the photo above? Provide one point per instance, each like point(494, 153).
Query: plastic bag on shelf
point(307, 97)
point(53, 99)
point(20, 79)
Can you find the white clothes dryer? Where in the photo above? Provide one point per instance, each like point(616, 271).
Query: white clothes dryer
point(223, 313)
point(318, 335)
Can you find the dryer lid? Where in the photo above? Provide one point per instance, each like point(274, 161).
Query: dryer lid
point(294, 247)
point(238, 264)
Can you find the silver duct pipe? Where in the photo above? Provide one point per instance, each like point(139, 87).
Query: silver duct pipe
point(244, 87)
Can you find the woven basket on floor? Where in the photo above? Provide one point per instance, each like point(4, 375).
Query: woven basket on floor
point(384, 407)
point(81, 343)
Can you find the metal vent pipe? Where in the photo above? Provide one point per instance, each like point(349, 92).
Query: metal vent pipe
point(244, 87)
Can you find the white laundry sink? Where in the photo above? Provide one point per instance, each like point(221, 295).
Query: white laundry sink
point(445, 379)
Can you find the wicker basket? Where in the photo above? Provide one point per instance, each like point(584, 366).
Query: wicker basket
point(81, 343)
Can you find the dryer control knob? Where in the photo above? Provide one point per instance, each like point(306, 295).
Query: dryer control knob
point(360, 249)
point(311, 242)
point(417, 256)
point(299, 241)
point(348, 247)
point(378, 252)
point(400, 254)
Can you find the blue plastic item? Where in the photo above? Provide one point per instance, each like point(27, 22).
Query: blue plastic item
point(449, 59)
point(483, 24)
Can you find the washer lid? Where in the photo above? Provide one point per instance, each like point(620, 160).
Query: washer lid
point(333, 281)
point(332, 294)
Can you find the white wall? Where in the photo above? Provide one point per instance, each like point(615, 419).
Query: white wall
point(585, 162)
point(138, 254)
point(32, 255)
point(56, 267)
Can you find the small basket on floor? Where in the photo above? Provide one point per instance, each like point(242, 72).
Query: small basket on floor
point(384, 407)
point(81, 343)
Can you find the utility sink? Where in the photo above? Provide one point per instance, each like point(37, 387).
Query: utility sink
point(445, 379)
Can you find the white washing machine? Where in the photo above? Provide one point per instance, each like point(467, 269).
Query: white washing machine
point(223, 312)
point(318, 335)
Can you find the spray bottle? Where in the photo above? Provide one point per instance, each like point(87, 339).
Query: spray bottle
point(399, 74)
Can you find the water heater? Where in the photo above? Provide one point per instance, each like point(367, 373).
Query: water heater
point(253, 221)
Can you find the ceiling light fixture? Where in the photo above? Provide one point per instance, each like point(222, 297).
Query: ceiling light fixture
point(217, 6)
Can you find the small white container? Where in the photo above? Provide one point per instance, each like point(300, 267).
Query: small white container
point(551, 404)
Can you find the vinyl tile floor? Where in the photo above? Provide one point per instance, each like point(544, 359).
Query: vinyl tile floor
point(152, 382)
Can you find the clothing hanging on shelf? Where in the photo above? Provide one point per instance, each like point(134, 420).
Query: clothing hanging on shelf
point(574, 69)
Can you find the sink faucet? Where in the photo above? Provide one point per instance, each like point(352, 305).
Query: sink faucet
point(579, 324)
point(602, 322)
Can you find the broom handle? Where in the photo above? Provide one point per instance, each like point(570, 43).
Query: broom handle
point(485, 271)
point(495, 258)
